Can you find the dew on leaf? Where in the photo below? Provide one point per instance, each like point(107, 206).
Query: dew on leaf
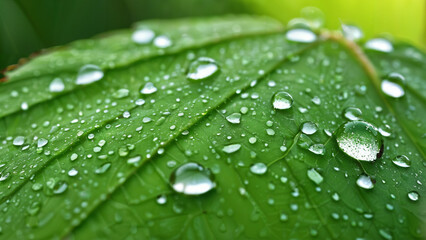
point(72, 172)
point(202, 68)
point(234, 118)
point(143, 36)
point(352, 113)
point(18, 141)
point(88, 74)
point(103, 168)
point(379, 44)
point(162, 42)
point(360, 140)
point(192, 179)
point(365, 182)
point(41, 142)
point(413, 196)
point(314, 176)
point(309, 128)
point(57, 85)
point(148, 88)
point(318, 149)
point(24, 106)
point(301, 35)
point(282, 100)
point(393, 85)
point(352, 32)
point(231, 148)
point(402, 161)
point(258, 168)
point(134, 160)
point(60, 187)
point(161, 199)
point(121, 93)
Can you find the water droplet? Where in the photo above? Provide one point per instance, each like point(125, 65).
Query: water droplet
point(34, 208)
point(162, 42)
point(192, 179)
point(143, 36)
point(379, 44)
point(103, 168)
point(282, 100)
point(385, 234)
point(88, 74)
point(318, 149)
point(393, 85)
point(149, 88)
point(134, 160)
point(234, 118)
point(365, 182)
point(231, 148)
point(301, 35)
point(352, 32)
point(202, 68)
point(413, 196)
point(309, 128)
point(73, 172)
point(360, 140)
point(19, 141)
point(315, 176)
point(352, 113)
point(258, 168)
point(24, 106)
point(41, 142)
point(4, 176)
point(57, 85)
point(162, 199)
point(402, 161)
point(60, 187)
point(121, 93)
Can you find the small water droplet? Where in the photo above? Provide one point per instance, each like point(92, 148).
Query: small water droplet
point(57, 85)
point(352, 32)
point(41, 142)
point(402, 161)
point(103, 168)
point(19, 141)
point(202, 68)
point(301, 35)
point(162, 199)
point(258, 168)
point(162, 41)
point(318, 149)
point(360, 140)
point(148, 88)
point(60, 187)
point(352, 113)
point(234, 118)
point(282, 100)
point(231, 148)
point(192, 179)
point(413, 196)
point(88, 74)
point(309, 128)
point(73, 172)
point(393, 85)
point(121, 93)
point(315, 176)
point(379, 44)
point(365, 182)
point(143, 36)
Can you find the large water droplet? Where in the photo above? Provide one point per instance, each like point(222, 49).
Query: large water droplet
point(301, 35)
point(88, 74)
point(57, 85)
point(19, 141)
point(41, 142)
point(402, 161)
point(234, 118)
point(393, 85)
point(318, 149)
point(192, 179)
point(379, 44)
point(202, 68)
point(365, 182)
point(282, 100)
point(352, 113)
point(352, 32)
point(360, 140)
point(149, 88)
point(315, 176)
point(143, 36)
point(231, 148)
point(162, 42)
point(309, 128)
point(258, 168)
point(413, 196)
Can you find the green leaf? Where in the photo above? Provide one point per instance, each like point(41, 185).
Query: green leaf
point(104, 172)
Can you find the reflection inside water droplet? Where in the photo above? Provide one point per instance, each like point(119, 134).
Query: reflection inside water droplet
point(393, 85)
point(148, 88)
point(143, 36)
point(258, 168)
point(301, 35)
point(352, 32)
point(202, 68)
point(88, 74)
point(402, 161)
point(192, 179)
point(282, 100)
point(365, 182)
point(379, 44)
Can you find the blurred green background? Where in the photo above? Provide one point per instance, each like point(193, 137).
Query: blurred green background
point(27, 26)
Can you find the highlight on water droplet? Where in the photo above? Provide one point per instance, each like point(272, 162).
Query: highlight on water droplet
point(234, 118)
point(413, 196)
point(231, 148)
point(352, 113)
point(301, 35)
point(18, 141)
point(192, 179)
point(143, 36)
point(282, 100)
point(258, 168)
point(148, 88)
point(89, 73)
point(360, 140)
point(202, 68)
point(309, 128)
point(162, 41)
point(314, 176)
point(393, 85)
point(379, 44)
point(365, 182)
point(41, 142)
point(352, 32)
point(57, 85)
point(402, 161)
